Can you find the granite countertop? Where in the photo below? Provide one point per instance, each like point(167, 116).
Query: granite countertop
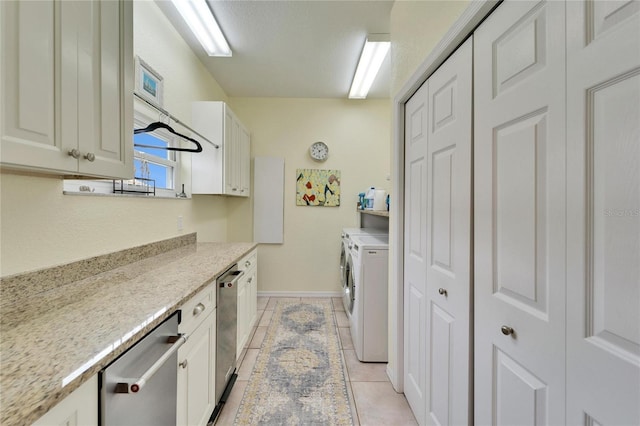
point(57, 331)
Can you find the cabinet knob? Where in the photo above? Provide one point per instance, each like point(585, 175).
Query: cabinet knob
point(183, 364)
point(249, 280)
point(506, 330)
point(198, 309)
point(442, 291)
point(247, 264)
point(75, 153)
point(90, 156)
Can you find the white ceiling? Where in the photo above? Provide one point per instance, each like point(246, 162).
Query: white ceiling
point(292, 48)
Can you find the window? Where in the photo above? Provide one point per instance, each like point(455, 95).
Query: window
point(154, 168)
point(161, 166)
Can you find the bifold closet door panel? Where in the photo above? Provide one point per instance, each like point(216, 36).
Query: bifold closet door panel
point(448, 214)
point(519, 215)
point(603, 137)
point(415, 252)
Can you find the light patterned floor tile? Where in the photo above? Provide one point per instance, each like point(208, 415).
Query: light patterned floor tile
point(342, 319)
point(228, 413)
point(262, 303)
point(258, 337)
point(365, 371)
point(345, 337)
point(266, 319)
point(249, 361)
point(378, 403)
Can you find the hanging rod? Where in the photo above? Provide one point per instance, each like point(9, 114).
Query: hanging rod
point(172, 117)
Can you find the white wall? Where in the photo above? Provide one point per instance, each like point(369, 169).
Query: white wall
point(41, 227)
point(357, 133)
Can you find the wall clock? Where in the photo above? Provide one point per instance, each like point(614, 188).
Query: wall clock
point(319, 151)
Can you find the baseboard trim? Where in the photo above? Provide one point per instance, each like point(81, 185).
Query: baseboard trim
point(299, 294)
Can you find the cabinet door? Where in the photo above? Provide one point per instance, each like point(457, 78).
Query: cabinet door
point(80, 408)
point(603, 235)
point(30, 75)
point(244, 161)
point(196, 375)
point(230, 146)
point(104, 40)
point(241, 338)
point(252, 299)
point(68, 74)
point(519, 210)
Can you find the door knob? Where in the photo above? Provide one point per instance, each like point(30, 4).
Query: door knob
point(506, 330)
point(442, 291)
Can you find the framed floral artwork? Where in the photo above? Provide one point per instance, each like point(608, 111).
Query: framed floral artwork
point(317, 187)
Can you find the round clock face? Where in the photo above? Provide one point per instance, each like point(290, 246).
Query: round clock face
point(319, 151)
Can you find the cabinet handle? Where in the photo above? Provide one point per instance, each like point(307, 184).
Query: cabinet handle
point(249, 280)
point(506, 330)
point(183, 364)
point(442, 291)
point(90, 156)
point(75, 153)
point(247, 264)
point(234, 189)
point(198, 309)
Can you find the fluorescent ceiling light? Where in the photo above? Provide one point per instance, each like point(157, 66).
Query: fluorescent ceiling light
point(198, 16)
point(375, 50)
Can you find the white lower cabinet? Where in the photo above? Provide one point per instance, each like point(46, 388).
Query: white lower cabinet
point(247, 299)
point(197, 361)
point(79, 408)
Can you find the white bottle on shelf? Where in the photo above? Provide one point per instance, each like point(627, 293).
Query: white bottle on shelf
point(368, 199)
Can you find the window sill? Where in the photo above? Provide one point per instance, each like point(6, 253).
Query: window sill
point(101, 194)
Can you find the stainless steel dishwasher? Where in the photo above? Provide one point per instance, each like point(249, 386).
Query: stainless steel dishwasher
point(139, 387)
point(226, 335)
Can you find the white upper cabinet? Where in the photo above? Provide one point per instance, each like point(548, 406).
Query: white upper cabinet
point(67, 84)
point(223, 170)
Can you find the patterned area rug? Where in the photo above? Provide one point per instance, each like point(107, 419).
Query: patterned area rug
point(298, 378)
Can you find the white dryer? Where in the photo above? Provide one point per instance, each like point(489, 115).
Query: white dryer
point(345, 243)
point(366, 296)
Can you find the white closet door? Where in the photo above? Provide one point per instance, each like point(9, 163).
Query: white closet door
point(415, 252)
point(519, 211)
point(603, 136)
point(449, 240)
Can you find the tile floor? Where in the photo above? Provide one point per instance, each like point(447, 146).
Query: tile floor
point(373, 400)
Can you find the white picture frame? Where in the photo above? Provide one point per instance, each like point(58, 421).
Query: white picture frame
point(149, 83)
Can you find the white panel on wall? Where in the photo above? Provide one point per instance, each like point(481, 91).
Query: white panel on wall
point(268, 200)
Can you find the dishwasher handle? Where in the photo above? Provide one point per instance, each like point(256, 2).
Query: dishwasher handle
point(125, 387)
point(225, 282)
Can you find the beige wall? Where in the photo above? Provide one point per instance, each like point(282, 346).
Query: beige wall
point(357, 133)
point(416, 28)
point(41, 227)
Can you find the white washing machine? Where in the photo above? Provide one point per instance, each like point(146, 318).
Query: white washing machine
point(367, 288)
point(345, 242)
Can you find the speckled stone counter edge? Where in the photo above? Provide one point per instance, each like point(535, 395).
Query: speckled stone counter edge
point(23, 406)
point(18, 287)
